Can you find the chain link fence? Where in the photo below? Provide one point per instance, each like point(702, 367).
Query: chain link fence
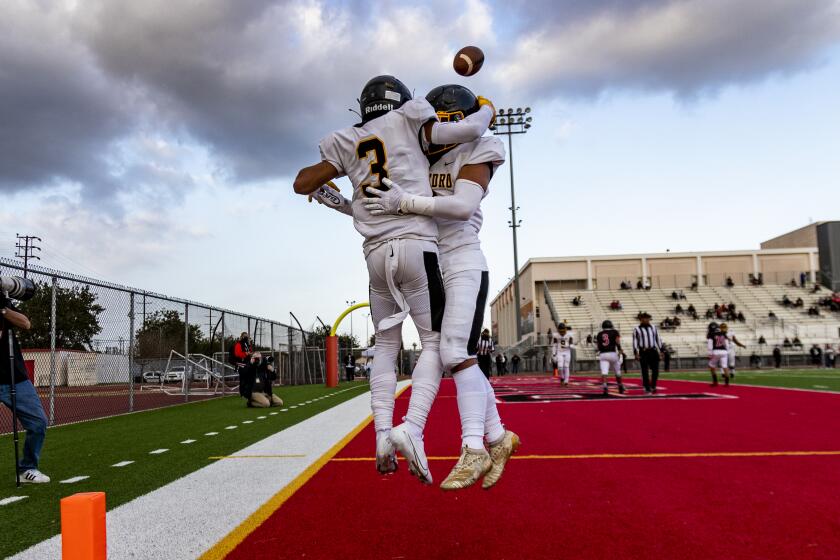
point(98, 349)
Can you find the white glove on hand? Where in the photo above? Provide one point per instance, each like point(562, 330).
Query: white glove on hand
point(328, 195)
point(380, 202)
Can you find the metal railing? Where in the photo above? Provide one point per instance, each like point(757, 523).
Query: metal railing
point(94, 344)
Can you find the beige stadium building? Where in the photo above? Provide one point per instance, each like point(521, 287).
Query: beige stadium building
point(760, 279)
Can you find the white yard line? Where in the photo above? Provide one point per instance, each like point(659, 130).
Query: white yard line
point(158, 451)
point(211, 434)
point(74, 479)
point(209, 503)
point(188, 441)
point(122, 464)
point(11, 500)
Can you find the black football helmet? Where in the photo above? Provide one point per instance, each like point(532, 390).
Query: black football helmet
point(451, 103)
point(380, 95)
point(713, 327)
point(606, 325)
point(561, 326)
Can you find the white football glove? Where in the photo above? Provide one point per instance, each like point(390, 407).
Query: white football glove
point(380, 202)
point(328, 195)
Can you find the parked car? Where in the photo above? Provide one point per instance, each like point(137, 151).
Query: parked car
point(199, 375)
point(174, 374)
point(151, 376)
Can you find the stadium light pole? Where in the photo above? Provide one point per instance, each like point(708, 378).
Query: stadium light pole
point(509, 122)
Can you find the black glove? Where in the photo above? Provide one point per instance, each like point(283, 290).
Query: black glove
point(4, 301)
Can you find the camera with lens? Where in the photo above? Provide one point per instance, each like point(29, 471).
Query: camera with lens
point(15, 287)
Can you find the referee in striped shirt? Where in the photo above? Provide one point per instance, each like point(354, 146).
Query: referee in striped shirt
point(484, 352)
point(647, 347)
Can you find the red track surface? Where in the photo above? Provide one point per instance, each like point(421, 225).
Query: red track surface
point(686, 507)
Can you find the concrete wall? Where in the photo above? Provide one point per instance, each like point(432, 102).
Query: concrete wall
point(802, 237)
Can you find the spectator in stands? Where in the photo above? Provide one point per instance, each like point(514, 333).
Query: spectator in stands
point(676, 321)
point(830, 356)
point(693, 286)
point(786, 301)
point(678, 309)
point(615, 305)
point(589, 339)
point(30, 413)
point(777, 357)
point(786, 343)
point(772, 316)
point(729, 282)
point(792, 283)
point(815, 289)
point(710, 313)
point(802, 278)
point(515, 363)
point(741, 317)
point(813, 311)
point(485, 349)
point(762, 340)
point(816, 355)
point(674, 295)
point(625, 285)
point(755, 360)
point(797, 343)
point(799, 302)
point(576, 301)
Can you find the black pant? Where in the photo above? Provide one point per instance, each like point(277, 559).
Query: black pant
point(350, 373)
point(484, 363)
point(649, 362)
point(666, 361)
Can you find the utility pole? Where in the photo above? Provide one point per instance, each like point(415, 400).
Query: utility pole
point(509, 122)
point(25, 249)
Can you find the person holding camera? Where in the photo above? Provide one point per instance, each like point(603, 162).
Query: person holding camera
point(255, 374)
point(28, 405)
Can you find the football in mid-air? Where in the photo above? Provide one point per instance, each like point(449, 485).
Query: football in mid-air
point(468, 61)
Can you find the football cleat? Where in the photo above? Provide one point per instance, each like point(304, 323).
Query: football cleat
point(386, 456)
point(472, 465)
point(606, 391)
point(412, 449)
point(621, 388)
point(500, 453)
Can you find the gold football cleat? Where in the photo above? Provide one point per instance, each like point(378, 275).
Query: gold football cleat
point(472, 465)
point(500, 453)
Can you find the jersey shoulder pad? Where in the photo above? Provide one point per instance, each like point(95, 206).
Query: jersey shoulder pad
point(418, 111)
point(487, 149)
point(331, 150)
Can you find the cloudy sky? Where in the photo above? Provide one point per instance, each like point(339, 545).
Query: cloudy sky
point(153, 143)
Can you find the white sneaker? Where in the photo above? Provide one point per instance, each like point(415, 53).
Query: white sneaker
point(412, 449)
point(386, 455)
point(34, 476)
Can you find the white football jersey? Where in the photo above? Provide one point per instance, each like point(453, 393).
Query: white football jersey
point(458, 242)
point(562, 342)
point(387, 146)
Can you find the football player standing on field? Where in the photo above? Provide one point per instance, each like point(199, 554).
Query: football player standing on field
point(400, 250)
point(608, 342)
point(460, 176)
point(563, 344)
point(733, 343)
point(718, 346)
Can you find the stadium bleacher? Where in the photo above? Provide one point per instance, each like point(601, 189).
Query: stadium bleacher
point(756, 303)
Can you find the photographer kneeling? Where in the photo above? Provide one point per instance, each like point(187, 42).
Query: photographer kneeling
point(29, 409)
point(255, 375)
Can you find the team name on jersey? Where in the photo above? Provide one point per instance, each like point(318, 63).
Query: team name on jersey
point(440, 180)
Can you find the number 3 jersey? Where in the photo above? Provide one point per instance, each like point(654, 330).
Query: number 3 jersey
point(387, 146)
point(458, 242)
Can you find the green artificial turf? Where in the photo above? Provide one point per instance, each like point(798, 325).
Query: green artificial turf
point(814, 379)
point(91, 448)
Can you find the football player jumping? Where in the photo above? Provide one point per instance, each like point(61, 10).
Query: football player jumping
point(563, 344)
point(733, 343)
point(460, 176)
point(609, 354)
point(400, 250)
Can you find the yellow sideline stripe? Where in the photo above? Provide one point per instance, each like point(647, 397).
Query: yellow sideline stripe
point(256, 456)
point(232, 540)
point(635, 455)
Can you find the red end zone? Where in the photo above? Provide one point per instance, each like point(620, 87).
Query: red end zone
point(756, 476)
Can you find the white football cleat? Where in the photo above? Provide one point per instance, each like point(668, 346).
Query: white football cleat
point(412, 449)
point(386, 455)
point(34, 476)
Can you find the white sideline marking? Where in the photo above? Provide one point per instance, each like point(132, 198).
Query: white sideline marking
point(307, 402)
point(11, 500)
point(272, 414)
point(293, 406)
point(282, 410)
point(158, 451)
point(74, 479)
point(261, 417)
point(211, 434)
point(122, 464)
point(210, 501)
point(188, 441)
point(821, 387)
point(230, 427)
point(247, 421)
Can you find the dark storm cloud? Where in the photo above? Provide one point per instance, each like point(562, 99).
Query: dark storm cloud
point(256, 83)
point(686, 47)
